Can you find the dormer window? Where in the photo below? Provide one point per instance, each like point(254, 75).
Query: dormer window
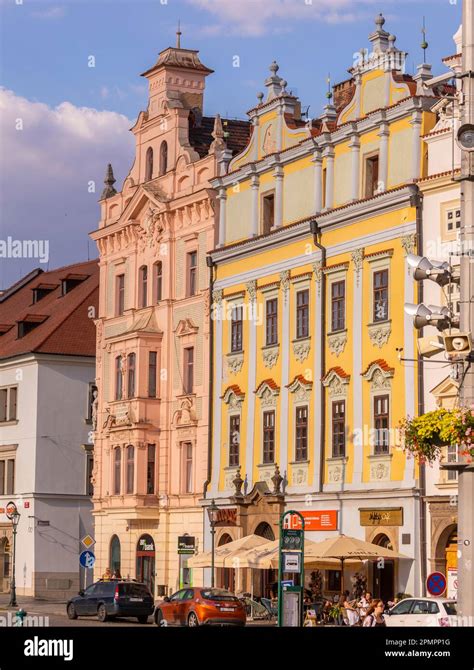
point(29, 323)
point(149, 164)
point(163, 158)
point(70, 282)
point(42, 291)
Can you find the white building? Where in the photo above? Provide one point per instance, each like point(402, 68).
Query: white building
point(47, 373)
point(441, 222)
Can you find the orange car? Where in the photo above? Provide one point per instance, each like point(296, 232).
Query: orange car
point(201, 605)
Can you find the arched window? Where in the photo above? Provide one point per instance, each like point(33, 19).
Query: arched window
point(118, 378)
point(130, 468)
point(158, 281)
point(117, 470)
point(131, 376)
point(163, 158)
point(149, 164)
point(114, 562)
point(265, 530)
point(143, 286)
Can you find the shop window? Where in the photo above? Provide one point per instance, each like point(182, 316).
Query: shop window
point(115, 557)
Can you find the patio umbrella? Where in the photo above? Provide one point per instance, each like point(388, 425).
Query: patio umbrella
point(228, 555)
point(267, 556)
point(345, 548)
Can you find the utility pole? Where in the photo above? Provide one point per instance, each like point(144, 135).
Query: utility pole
point(465, 469)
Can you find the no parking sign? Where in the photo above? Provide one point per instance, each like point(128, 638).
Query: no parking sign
point(436, 584)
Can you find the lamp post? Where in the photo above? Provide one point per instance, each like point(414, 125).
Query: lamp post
point(212, 511)
point(14, 518)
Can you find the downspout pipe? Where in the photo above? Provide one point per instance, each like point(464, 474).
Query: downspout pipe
point(416, 200)
point(210, 416)
point(316, 232)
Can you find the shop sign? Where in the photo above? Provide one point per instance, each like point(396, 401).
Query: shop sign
point(291, 562)
point(143, 545)
point(186, 544)
point(226, 517)
point(452, 591)
point(388, 516)
point(316, 520)
point(10, 510)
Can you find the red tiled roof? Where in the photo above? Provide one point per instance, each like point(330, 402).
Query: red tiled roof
point(301, 379)
point(66, 327)
point(381, 363)
point(269, 382)
point(339, 371)
point(200, 137)
point(438, 175)
point(235, 388)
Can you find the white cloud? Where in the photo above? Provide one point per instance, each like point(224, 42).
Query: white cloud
point(47, 167)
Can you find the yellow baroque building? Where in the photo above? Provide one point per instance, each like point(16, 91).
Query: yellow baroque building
point(314, 359)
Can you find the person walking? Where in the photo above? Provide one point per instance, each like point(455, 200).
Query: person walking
point(374, 616)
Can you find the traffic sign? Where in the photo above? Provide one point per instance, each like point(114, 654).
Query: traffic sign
point(436, 584)
point(87, 559)
point(88, 541)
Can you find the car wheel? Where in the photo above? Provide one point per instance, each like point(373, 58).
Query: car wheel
point(142, 619)
point(193, 621)
point(102, 613)
point(71, 611)
point(159, 618)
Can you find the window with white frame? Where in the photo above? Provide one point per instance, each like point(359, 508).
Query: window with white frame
point(381, 424)
point(8, 403)
point(452, 457)
point(7, 473)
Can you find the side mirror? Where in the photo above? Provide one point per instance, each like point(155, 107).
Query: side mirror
point(81, 592)
point(166, 599)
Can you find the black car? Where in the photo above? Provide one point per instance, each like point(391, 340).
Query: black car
point(110, 599)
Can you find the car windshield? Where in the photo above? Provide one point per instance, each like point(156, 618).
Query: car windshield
point(217, 594)
point(450, 608)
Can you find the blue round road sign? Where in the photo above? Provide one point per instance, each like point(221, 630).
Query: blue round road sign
point(436, 584)
point(87, 559)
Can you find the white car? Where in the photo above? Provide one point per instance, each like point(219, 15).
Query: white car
point(422, 612)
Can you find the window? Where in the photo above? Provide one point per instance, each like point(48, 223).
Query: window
point(143, 286)
point(380, 295)
point(236, 329)
point(234, 440)
point(268, 212)
point(8, 404)
point(118, 378)
point(338, 305)
point(130, 468)
point(150, 469)
point(371, 176)
point(269, 437)
point(152, 370)
point(158, 270)
point(382, 443)
point(403, 608)
point(301, 423)
point(120, 294)
point(339, 428)
point(454, 295)
point(453, 220)
point(324, 179)
point(188, 467)
point(302, 314)
point(114, 562)
point(192, 273)
point(334, 580)
point(117, 470)
point(89, 469)
point(149, 164)
point(91, 396)
point(271, 308)
point(452, 457)
point(163, 158)
point(188, 370)
point(7, 476)
point(131, 376)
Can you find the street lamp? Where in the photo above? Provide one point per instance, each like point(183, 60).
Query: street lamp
point(212, 512)
point(14, 518)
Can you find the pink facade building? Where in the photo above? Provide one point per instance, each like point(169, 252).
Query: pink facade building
point(151, 418)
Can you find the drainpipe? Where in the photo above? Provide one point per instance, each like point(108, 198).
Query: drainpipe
point(211, 265)
point(316, 232)
point(416, 200)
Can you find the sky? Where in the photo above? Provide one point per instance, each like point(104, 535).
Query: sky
point(71, 88)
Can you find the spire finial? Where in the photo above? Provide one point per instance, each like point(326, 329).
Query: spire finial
point(329, 91)
point(379, 21)
point(109, 182)
point(178, 35)
point(424, 45)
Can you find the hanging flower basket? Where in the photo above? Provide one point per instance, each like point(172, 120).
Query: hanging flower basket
point(425, 435)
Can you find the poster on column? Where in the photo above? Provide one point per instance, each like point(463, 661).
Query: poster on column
point(452, 590)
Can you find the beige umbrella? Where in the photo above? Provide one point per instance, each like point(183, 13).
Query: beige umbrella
point(267, 556)
point(228, 555)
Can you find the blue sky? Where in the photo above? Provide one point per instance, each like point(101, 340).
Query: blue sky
point(78, 115)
